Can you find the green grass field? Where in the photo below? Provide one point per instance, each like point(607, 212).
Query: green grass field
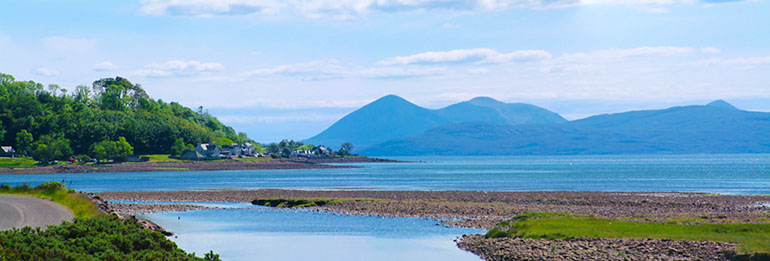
point(81, 207)
point(751, 237)
point(18, 162)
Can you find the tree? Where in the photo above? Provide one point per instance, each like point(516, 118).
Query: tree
point(2, 132)
point(178, 148)
point(345, 148)
point(42, 153)
point(122, 149)
point(49, 148)
point(23, 142)
point(273, 148)
point(115, 150)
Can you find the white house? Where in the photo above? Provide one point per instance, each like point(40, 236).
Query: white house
point(7, 151)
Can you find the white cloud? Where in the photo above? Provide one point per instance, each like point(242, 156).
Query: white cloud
point(178, 68)
point(478, 55)
point(333, 69)
point(69, 45)
point(593, 61)
point(46, 71)
point(760, 60)
point(348, 9)
point(104, 67)
point(314, 70)
point(207, 8)
point(710, 50)
point(400, 72)
point(343, 9)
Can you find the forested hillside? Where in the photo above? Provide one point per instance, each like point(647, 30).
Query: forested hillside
point(52, 122)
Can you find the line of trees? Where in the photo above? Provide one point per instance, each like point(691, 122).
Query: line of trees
point(286, 146)
point(53, 123)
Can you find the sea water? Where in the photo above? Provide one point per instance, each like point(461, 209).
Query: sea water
point(728, 174)
point(241, 231)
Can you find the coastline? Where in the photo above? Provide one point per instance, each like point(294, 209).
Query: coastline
point(319, 163)
point(485, 209)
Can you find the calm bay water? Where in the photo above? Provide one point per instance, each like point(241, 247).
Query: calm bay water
point(732, 174)
point(247, 232)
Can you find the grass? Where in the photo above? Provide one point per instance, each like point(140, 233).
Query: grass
point(254, 159)
point(296, 202)
point(751, 237)
point(80, 206)
point(162, 158)
point(18, 162)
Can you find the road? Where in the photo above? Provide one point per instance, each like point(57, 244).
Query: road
point(18, 211)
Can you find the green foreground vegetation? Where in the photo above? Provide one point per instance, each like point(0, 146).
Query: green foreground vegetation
point(752, 238)
point(91, 236)
point(296, 202)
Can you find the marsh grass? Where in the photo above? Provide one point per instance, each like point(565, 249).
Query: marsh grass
point(80, 206)
point(750, 237)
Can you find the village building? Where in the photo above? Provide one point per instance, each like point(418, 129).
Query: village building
point(204, 151)
point(7, 151)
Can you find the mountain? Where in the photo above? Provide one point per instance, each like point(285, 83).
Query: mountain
point(717, 127)
point(486, 109)
point(393, 117)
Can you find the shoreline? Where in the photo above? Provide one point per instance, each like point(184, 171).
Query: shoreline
point(485, 209)
point(320, 163)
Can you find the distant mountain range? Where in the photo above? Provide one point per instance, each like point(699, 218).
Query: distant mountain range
point(392, 117)
point(484, 126)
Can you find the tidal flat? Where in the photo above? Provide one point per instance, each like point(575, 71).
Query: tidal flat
point(486, 210)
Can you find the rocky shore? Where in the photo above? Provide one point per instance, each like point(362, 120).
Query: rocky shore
point(480, 209)
point(318, 163)
point(593, 249)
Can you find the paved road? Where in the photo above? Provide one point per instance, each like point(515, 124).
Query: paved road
point(17, 211)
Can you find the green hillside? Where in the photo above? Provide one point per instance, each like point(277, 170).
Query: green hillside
point(53, 122)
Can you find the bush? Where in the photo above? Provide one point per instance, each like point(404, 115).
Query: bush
point(99, 238)
point(82, 159)
point(50, 186)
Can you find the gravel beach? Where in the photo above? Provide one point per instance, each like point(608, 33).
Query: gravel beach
point(479, 209)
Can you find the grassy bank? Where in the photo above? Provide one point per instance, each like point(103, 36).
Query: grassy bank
point(80, 206)
point(18, 162)
point(296, 202)
point(751, 238)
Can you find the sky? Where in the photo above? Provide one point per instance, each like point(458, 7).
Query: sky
point(290, 68)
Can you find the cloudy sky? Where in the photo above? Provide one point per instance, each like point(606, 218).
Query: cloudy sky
point(290, 68)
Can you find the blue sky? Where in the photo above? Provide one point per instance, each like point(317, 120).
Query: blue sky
point(289, 69)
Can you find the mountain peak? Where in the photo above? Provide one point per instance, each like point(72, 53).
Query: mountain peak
point(721, 104)
point(484, 100)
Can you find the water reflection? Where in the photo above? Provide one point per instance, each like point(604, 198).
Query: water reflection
point(245, 232)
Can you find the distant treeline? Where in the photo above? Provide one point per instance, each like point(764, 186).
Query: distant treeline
point(51, 122)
